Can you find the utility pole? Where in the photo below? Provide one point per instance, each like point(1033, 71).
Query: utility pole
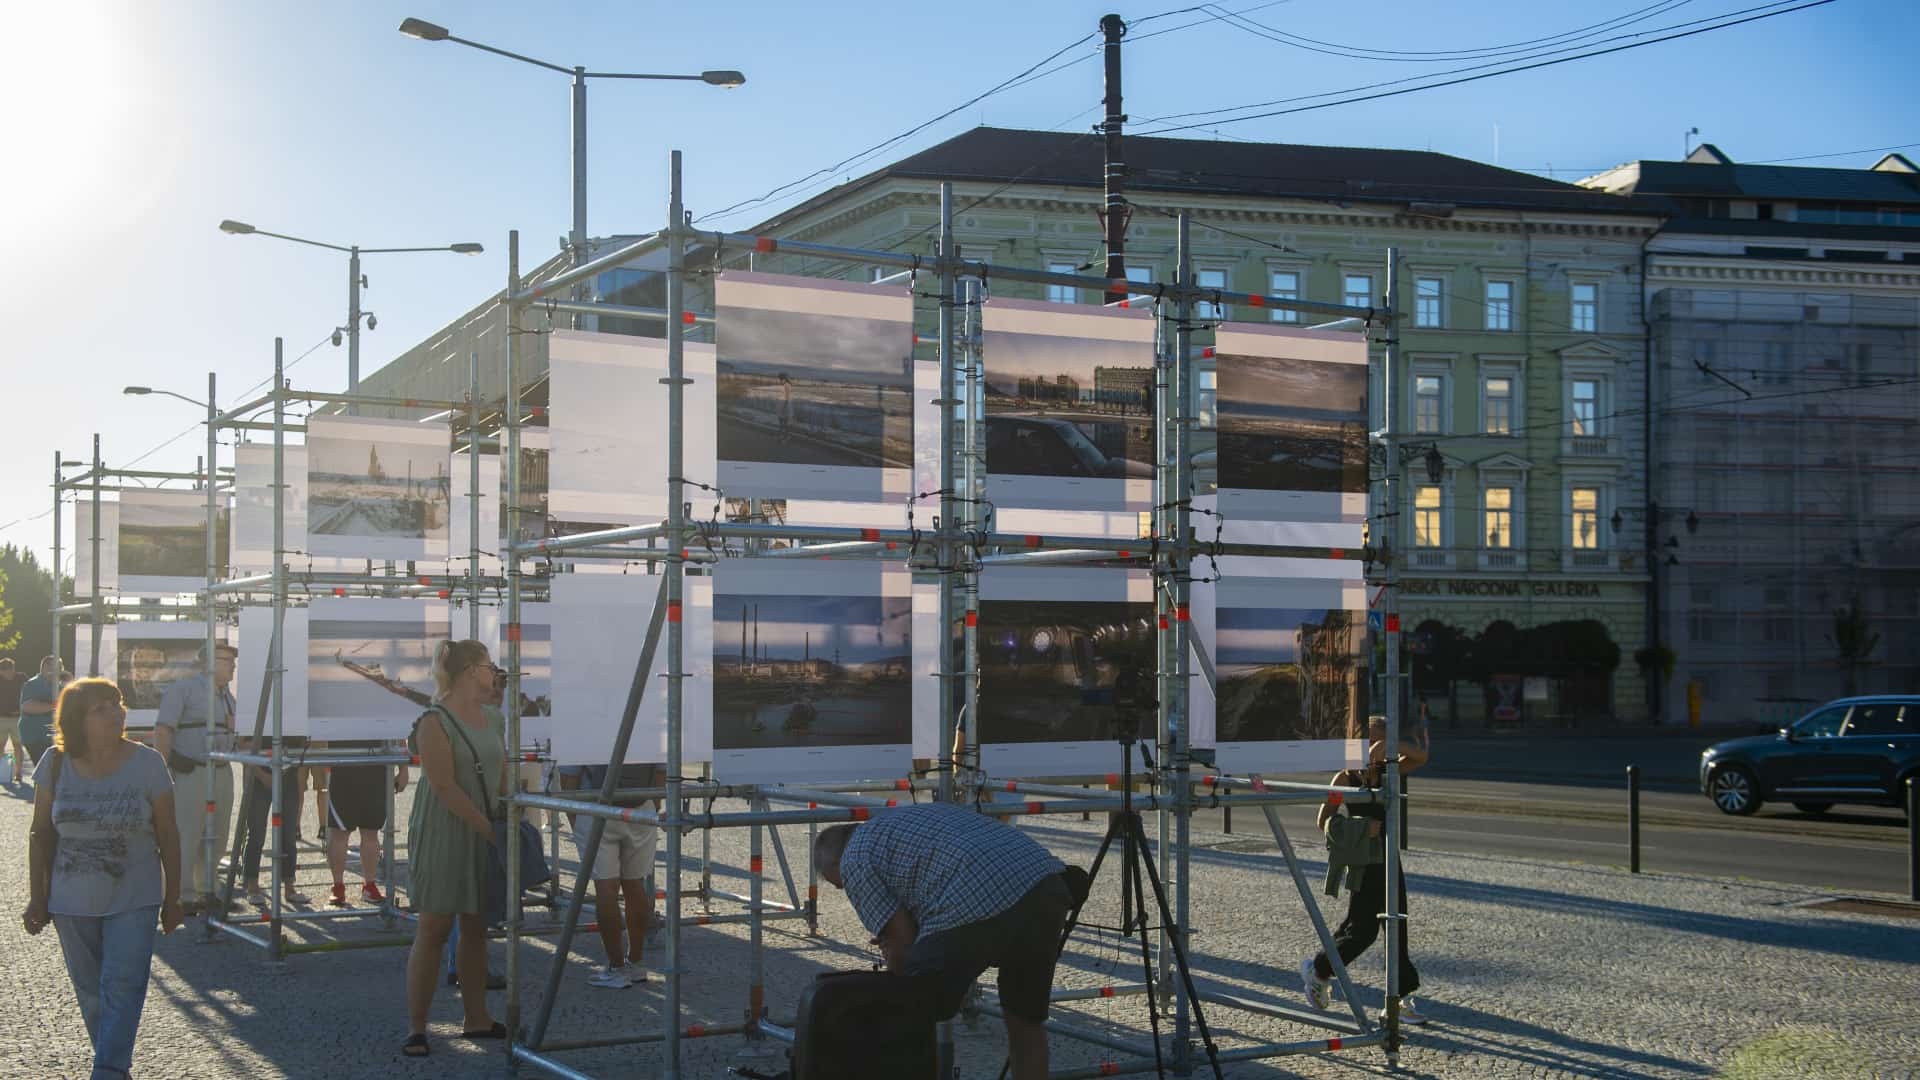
point(1115, 215)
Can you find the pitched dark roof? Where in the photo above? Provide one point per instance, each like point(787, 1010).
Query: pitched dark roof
point(1337, 174)
point(1681, 178)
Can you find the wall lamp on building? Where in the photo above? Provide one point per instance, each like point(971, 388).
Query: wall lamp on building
point(1429, 454)
point(1653, 518)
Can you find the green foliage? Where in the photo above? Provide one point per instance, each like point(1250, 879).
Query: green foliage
point(26, 600)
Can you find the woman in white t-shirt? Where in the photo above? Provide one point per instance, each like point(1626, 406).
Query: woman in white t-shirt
point(104, 864)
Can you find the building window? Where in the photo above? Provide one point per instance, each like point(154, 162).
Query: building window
point(1499, 305)
point(1063, 294)
point(1283, 285)
point(1498, 393)
point(1429, 404)
point(1428, 517)
point(1429, 302)
point(1583, 509)
point(1356, 290)
point(1499, 517)
point(1700, 625)
point(1586, 407)
point(1777, 629)
point(1207, 310)
point(1586, 307)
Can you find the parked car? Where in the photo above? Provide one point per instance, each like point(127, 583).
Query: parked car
point(1853, 750)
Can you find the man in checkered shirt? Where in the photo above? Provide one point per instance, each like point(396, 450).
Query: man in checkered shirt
point(947, 893)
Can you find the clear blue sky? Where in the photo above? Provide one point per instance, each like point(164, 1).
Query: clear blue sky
point(137, 127)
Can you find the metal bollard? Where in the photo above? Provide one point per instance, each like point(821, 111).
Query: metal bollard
point(1226, 809)
point(1403, 812)
point(1633, 819)
point(1913, 838)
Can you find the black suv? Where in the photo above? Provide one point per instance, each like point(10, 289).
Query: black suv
point(1854, 750)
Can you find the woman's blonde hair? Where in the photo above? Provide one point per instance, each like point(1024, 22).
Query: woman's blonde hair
point(70, 714)
point(451, 659)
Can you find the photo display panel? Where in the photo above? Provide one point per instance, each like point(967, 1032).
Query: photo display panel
point(812, 671)
point(144, 658)
point(536, 662)
point(1292, 663)
point(1292, 419)
point(83, 536)
point(460, 522)
point(370, 664)
point(163, 541)
point(253, 505)
point(599, 628)
point(377, 489)
point(609, 430)
point(1066, 661)
point(255, 671)
point(815, 388)
point(1069, 406)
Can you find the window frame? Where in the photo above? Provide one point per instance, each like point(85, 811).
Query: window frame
point(1488, 375)
point(1347, 277)
point(1512, 310)
point(1440, 399)
point(1575, 304)
point(1487, 510)
point(1441, 519)
point(1206, 310)
point(1298, 272)
point(1598, 512)
point(1062, 263)
point(1422, 300)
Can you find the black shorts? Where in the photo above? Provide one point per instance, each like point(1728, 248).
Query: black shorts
point(357, 795)
point(1022, 941)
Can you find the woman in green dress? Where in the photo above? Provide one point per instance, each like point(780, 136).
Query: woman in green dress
point(461, 744)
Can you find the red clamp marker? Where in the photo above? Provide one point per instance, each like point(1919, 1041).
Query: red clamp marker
point(212, 808)
point(869, 534)
point(902, 784)
point(764, 244)
point(1033, 540)
point(1335, 1044)
point(753, 865)
point(513, 631)
point(443, 594)
point(339, 592)
point(1106, 991)
point(1013, 785)
point(1259, 784)
point(539, 410)
point(859, 813)
point(1335, 798)
point(1336, 553)
point(1164, 624)
point(1209, 780)
point(973, 618)
point(893, 803)
point(688, 318)
point(1256, 300)
point(276, 821)
point(425, 580)
point(1393, 623)
point(695, 1031)
point(1109, 1068)
point(1113, 778)
point(673, 611)
point(1181, 613)
point(1036, 808)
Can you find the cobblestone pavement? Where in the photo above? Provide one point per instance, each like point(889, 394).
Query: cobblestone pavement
point(1531, 969)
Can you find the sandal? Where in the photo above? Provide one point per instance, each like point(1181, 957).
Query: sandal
point(497, 1031)
point(416, 1046)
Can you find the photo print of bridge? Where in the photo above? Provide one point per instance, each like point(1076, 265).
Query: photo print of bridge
point(819, 382)
point(1292, 425)
point(163, 534)
point(811, 671)
point(1290, 674)
point(1068, 407)
point(372, 669)
point(1065, 670)
point(376, 488)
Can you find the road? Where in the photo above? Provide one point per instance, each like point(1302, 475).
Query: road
point(1565, 799)
point(749, 443)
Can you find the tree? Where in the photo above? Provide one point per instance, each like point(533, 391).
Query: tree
point(1852, 642)
point(26, 603)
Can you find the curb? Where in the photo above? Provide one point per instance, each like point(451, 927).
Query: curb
point(1575, 812)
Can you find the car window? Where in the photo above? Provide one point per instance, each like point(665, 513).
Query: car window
point(1824, 724)
point(1883, 718)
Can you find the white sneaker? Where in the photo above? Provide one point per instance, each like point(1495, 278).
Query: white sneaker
point(610, 978)
point(1410, 1013)
point(1315, 987)
point(635, 973)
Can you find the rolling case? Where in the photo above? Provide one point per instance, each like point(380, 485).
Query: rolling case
point(865, 1025)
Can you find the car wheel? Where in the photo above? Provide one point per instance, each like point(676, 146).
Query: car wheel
point(1813, 807)
point(1732, 790)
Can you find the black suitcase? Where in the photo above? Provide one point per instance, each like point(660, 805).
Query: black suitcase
point(865, 1025)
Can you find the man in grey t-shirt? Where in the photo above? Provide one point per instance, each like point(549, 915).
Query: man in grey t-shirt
point(183, 734)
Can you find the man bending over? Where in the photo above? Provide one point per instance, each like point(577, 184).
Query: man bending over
point(948, 893)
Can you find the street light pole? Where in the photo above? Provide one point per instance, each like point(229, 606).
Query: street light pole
point(353, 321)
point(577, 236)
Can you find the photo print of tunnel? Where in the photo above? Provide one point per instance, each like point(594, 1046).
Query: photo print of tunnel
point(163, 541)
point(1069, 406)
point(1066, 665)
point(812, 672)
point(377, 489)
point(1291, 664)
point(1292, 421)
point(815, 388)
point(608, 426)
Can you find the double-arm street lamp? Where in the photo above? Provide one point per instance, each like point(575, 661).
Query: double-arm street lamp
point(355, 282)
point(577, 234)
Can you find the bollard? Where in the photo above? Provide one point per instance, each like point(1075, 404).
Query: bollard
point(1633, 819)
point(1913, 838)
point(1403, 812)
point(1226, 810)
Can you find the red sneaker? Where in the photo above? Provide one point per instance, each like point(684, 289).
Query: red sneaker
point(339, 896)
point(370, 893)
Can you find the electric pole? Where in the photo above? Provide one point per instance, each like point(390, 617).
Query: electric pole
point(1115, 215)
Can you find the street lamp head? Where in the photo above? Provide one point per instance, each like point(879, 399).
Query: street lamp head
point(466, 248)
point(727, 79)
point(422, 29)
point(237, 228)
point(137, 390)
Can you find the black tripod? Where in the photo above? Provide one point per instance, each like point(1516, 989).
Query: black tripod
point(1136, 867)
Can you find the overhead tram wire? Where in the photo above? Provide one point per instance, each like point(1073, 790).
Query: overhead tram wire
point(1725, 23)
point(1441, 56)
point(241, 395)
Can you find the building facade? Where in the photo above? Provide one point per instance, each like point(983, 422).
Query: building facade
point(1784, 509)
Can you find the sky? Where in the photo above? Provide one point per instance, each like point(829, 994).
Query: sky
point(138, 127)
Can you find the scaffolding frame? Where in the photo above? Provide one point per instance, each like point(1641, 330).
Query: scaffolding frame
point(1173, 788)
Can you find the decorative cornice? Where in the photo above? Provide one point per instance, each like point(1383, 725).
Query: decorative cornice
point(1664, 270)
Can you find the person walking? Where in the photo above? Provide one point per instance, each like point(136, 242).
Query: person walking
point(461, 744)
point(1367, 897)
point(621, 866)
point(104, 864)
point(36, 709)
point(10, 683)
point(183, 735)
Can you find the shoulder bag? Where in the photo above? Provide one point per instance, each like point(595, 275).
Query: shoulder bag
point(533, 861)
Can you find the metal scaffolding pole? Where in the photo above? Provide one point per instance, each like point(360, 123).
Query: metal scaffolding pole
point(675, 583)
point(1181, 582)
point(1394, 917)
point(511, 631)
point(93, 590)
point(276, 671)
point(209, 839)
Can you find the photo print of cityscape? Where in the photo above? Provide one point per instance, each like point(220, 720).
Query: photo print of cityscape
point(1292, 425)
point(1068, 407)
point(811, 671)
point(361, 485)
point(1289, 674)
point(1065, 670)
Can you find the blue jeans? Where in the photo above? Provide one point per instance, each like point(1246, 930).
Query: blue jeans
point(108, 960)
